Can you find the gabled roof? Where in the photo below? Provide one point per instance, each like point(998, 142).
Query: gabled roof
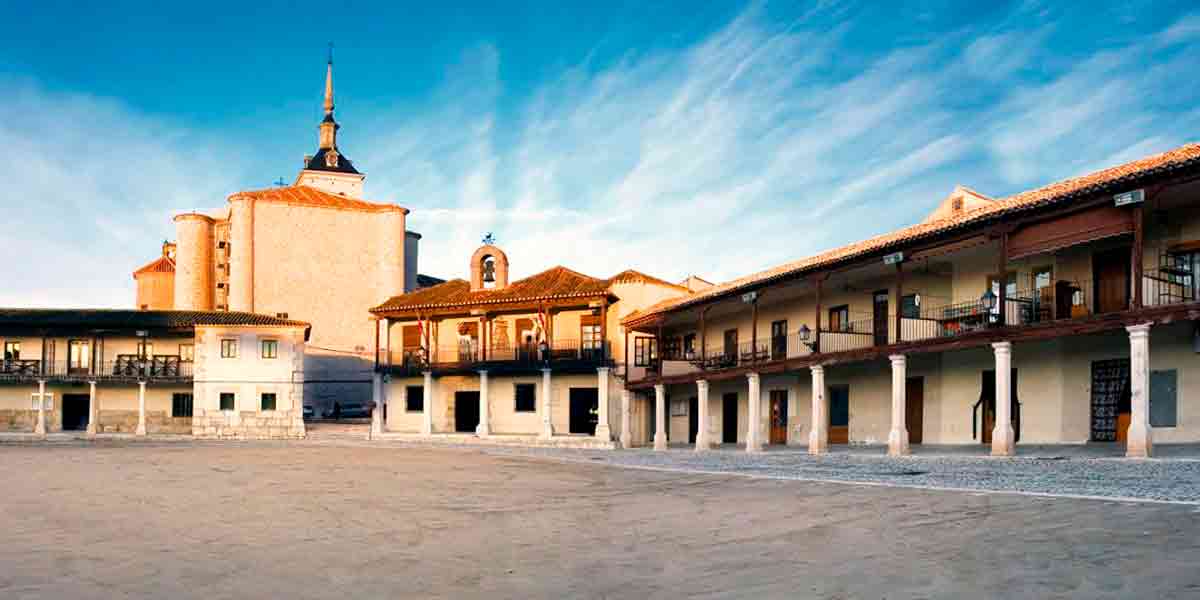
point(96, 318)
point(634, 276)
point(162, 264)
point(317, 162)
point(552, 284)
point(1111, 179)
point(302, 195)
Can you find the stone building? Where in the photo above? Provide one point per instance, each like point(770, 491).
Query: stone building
point(315, 250)
point(1064, 314)
point(528, 361)
point(216, 374)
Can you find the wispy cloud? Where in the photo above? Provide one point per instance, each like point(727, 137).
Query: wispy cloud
point(760, 143)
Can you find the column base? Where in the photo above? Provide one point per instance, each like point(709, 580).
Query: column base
point(753, 447)
point(547, 431)
point(604, 432)
point(140, 431)
point(90, 433)
point(626, 440)
point(1139, 442)
point(702, 444)
point(817, 443)
point(660, 442)
point(1003, 441)
point(898, 443)
point(482, 431)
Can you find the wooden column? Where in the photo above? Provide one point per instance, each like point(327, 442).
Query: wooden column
point(754, 331)
point(376, 344)
point(1136, 258)
point(387, 341)
point(899, 302)
point(703, 334)
point(482, 338)
point(658, 346)
point(604, 329)
point(817, 318)
point(626, 357)
point(1002, 278)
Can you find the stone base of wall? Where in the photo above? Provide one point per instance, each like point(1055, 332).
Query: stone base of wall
point(14, 419)
point(157, 421)
point(248, 425)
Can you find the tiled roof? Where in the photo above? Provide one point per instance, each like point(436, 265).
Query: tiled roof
point(302, 195)
point(162, 264)
point(93, 318)
point(1107, 179)
point(633, 276)
point(425, 281)
point(551, 284)
point(317, 162)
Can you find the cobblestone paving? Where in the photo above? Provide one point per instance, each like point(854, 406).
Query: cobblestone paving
point(1081, 471)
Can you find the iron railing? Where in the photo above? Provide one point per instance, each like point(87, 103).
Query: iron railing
point(125, 367)
point(469, 354)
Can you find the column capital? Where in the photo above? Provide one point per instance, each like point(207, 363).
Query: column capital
point(1141, 329)
point(603, 370)
point(700, 383)
point(660, 388)
point(92, 383)
point(1002, 346)
point(482, 372)
point(546, 371)
point(816, 368)
point(898, 358)
point(752, 376)
point(427, 373)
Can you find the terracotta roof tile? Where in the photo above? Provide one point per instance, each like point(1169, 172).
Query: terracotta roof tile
point(135, 319)
point(162, 264)
point(634, 276)
point(551, 284)
point(1044, 196)
point(302, 195)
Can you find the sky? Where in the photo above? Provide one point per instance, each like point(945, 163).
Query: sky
point(677, 138)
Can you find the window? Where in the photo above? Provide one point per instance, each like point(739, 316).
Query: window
point(229, 348)
point(79, 355)
point(12, 350)
point(414, 398)
point(268, 401)
point(270, 348)
point(689, 345)
point(145, 349)
point(778, 339)
point(1043, 278)
point(187, 353)
point(839, 318)
point(589, 335)
point(645, 352)
point(525, 397)
point(282, 315)
point(1163, 395)
point(181, 404)
point(227, 402)
point(909, 308)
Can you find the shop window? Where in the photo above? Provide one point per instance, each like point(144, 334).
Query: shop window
point(526, 397)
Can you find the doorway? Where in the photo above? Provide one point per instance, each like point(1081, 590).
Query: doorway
point(839, 414)
point(729, 418)
point(779, 416)
point(693, 418)
point(466, 411)
point(880, 317)
point(1110, 276)
point(984, 411)
point(75, 412)
point(1111, 397)
point(585, 410)
point(914, 408)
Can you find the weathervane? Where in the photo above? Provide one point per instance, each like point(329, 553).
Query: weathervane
point(489, 239)
point(279, 182)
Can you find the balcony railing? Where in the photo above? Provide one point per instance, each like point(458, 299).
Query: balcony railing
point(469, 355)
point(125, 367)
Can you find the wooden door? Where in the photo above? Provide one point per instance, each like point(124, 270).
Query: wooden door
point(839, 414)
point(693, 418)
point(914, 408)
point(1110, 272)
point(466, 411)
point(881, 318)
point(778, 340)
point(584, 410)
point(779, 416)
point(731, 344)
point(729, 418)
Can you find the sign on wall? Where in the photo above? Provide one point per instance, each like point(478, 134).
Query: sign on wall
point(1134, 197)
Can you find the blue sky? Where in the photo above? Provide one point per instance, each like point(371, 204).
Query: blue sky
point(672, 137)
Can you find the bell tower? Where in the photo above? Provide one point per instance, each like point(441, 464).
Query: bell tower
point(329, 170)
point(489, 269)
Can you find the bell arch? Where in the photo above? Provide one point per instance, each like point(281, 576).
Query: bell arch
point(489, 269)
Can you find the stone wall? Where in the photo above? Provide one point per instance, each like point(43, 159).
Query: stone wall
point(19, 420)
point(157, 421)
point(248, 425)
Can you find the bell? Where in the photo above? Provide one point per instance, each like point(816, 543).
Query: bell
point(489, 272)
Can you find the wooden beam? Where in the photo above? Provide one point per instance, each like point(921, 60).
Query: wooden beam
point(1136, 257)
point(899, 302)
point(604, 329)
point(753, 331)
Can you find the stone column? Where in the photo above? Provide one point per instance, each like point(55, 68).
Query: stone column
point(660, 417)
point(754, 441)
point(427, 405)
point(626, 420)
point(377, 398)
point(93, 412)
point(898, 436)
point(141, 426)
point(1003, 437)
point(547, 402)
point(39, 426)
point(818, 438)
point(1139, 439)
point(702, 419)
point(484, 428)
point(603, 430)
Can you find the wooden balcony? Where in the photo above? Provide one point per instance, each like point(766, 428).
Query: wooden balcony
point(127, 368)
point(567, 356)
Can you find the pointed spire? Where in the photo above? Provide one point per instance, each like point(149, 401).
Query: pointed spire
point(329, 82)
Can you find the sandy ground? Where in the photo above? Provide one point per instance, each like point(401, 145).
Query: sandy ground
point(318, 521)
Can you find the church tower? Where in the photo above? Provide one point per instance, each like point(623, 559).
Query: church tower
point(329, 170)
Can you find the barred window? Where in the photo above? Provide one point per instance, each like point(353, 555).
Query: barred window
point(525, 397)
point(181, 404)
